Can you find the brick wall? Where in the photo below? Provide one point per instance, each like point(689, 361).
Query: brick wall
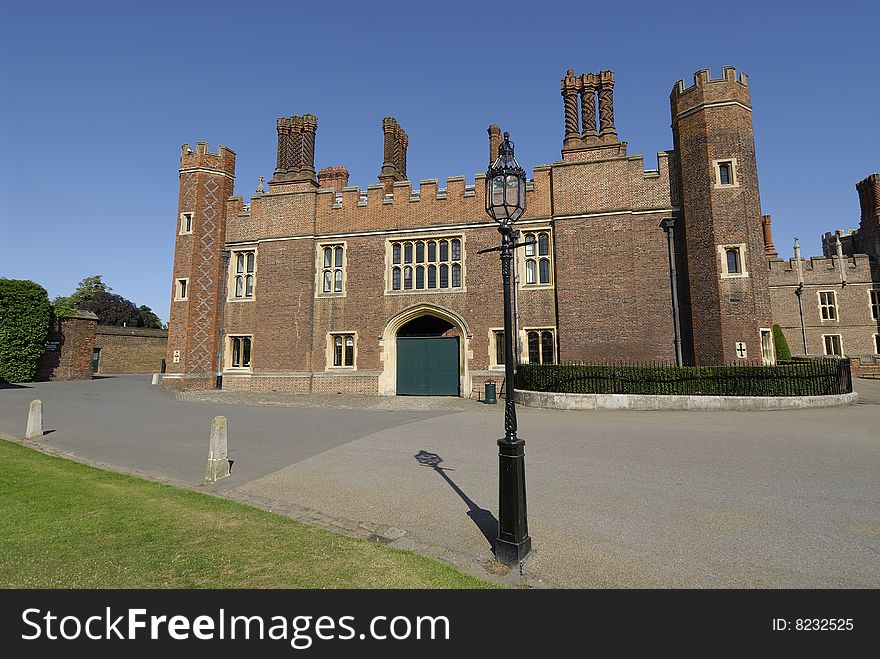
point(74, 340)
point(130, 349)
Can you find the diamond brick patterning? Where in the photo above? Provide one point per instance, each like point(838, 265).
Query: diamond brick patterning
point(200, 352)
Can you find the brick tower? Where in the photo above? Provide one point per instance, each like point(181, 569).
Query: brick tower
point(206, 182)
point(721, 213)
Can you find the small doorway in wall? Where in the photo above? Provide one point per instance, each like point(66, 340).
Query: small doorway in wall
point(96, 359)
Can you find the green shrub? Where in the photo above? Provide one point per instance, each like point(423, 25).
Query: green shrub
point(804, 378)
point(783, 352)
point(24, 324)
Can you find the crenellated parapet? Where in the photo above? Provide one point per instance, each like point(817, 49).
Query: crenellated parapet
point(201, 159)
point(728, 89)
point(431, 204)
point(818, 270)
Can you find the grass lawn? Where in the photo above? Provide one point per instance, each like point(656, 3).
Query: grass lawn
point(68, 525)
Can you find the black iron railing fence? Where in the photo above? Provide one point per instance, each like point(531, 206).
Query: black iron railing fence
point(808, 377)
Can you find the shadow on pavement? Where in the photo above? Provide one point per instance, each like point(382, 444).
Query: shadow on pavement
point(484, 519)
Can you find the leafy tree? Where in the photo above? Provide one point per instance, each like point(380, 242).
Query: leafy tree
point(92, 294)
point(148, 318)
point(24, 324)
point(85, 292)
point(783, 352)
point(113, 309)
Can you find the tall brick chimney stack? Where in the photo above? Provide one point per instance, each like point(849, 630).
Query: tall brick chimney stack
point(296, 148)
point(494, 142)
point(769, 249)
point(394, 162)
point(869, 200)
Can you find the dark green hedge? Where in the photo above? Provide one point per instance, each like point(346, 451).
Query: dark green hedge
point(805, 378)
point(24, 324)
point(783, 352)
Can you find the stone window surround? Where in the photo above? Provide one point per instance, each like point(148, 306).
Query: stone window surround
point(722, 254)
point(184, 288)
point(231, 274)
point(184, 230)
point(833, 306)
point(493, 361)
point(876, 345)
point(734, 174)
point(825, 345)
point(329, 366)
point(319, 268)
point(227, 354)
point(772, 344)
point(521, 259)
point(874, 302)
point(389, 264)
point(524, 341)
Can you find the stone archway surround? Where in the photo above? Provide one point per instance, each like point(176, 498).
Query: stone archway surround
point(388, 345)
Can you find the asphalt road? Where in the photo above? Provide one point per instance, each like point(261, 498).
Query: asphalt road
point(616, 499)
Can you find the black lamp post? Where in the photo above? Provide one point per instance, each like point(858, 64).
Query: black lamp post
point(506, 202)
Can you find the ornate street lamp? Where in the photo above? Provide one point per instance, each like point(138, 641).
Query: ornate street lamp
point(505, 203)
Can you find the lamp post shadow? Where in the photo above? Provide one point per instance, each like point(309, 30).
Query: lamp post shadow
point(484, 519)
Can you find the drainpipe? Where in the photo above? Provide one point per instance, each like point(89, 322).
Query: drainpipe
point(668, 224)
point(224, 276)
point(800, 291)
point(839, 248)
point(516, 318)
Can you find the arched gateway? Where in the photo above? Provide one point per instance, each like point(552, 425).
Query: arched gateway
point(424, 353)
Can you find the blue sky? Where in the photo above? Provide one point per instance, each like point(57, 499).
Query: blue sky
point(98, 97)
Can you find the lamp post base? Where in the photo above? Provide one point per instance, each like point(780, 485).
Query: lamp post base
point(512, 553)
point(513, 542)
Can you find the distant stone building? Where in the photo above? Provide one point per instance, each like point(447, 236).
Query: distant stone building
point(316, 286)
point(830, 305)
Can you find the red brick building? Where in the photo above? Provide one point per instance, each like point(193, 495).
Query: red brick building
point(315, 286)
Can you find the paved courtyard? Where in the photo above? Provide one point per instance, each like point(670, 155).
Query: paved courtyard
point(616, 499)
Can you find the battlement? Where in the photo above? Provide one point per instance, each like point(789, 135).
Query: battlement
point(202, 158)
point(819, 270)
point(706, 89)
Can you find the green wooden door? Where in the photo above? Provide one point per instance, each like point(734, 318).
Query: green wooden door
point(427, 366)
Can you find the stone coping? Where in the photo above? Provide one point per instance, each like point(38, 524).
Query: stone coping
point(559, 401)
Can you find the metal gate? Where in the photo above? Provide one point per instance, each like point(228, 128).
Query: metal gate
point(427, 366)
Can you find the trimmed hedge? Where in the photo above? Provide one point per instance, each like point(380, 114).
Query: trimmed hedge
point(24, 324)
point(804, 378)
point(783, 352)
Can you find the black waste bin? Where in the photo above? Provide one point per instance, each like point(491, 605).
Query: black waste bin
point(490, 392)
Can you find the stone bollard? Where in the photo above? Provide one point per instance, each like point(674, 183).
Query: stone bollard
point(155, 378)
point(35, 420)
point(218, 463)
